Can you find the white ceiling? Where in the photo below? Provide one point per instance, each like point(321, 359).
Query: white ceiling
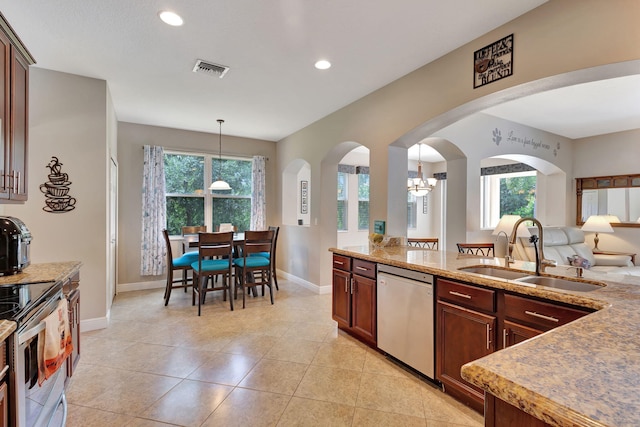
point(272, 88)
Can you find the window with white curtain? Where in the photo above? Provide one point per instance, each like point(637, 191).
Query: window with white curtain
point(189, 200)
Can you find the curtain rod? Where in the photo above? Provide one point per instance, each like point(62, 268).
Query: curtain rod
point(230, 154)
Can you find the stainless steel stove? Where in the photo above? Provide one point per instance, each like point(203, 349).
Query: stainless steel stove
point(28, 305)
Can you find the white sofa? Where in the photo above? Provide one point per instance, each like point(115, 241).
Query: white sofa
point(561, 243)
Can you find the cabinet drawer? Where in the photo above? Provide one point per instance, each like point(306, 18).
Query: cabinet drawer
point(466, 295)
point(364, 268)
point(341, 262)
point(542, 314)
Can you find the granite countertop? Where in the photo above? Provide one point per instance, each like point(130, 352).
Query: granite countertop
point(585, 373)
point(44, 272)
point(6, 329)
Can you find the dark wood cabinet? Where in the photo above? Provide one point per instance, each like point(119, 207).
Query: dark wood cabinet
point(354, 297)
point(71, 290)
point(4, 397)
point(499, 413)
point(473, 321)
point(466, 330)
point(14, 114)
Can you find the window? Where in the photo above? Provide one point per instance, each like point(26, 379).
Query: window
point(189, 201)
point(507, 194)
point(412, 211)
point(363, 201)
point(343, 195)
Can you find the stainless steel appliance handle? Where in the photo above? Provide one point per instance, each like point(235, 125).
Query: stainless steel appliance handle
point(25, 336)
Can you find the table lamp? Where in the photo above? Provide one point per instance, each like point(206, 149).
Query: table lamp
point(597, 224)
point(505, 226)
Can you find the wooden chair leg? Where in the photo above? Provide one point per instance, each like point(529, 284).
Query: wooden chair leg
point(167, 290)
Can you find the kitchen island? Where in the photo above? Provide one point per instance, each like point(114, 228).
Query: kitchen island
point(585, 373)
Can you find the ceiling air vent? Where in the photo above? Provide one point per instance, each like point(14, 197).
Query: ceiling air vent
point(210, 68)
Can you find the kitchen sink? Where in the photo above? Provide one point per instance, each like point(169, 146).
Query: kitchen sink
point(526, 277)
point(495, 272)
point(558, 283)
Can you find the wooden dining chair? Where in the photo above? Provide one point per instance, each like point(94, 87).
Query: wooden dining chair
point(423, 242)
point(182, 263)
point(191, 230)
point(254, 270)
point(482, 249)
point(215, 258)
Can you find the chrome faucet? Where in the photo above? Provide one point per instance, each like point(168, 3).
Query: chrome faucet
point(541, 261)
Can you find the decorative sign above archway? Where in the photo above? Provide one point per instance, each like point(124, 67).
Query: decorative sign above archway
point(56, 190)
point(493, 62)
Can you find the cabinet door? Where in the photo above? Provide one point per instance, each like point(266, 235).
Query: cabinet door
point(463, 335)
point(341, 297)
point(5, 72)
point(513, 333)
point(19, 126)
point(4, 405)
point(363, 307)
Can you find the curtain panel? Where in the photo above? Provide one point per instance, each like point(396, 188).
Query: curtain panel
point(258, 198)
point(154, 213)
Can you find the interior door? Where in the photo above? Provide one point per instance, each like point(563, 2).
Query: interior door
point(113, 230)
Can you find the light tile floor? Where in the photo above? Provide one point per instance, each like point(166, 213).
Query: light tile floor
point(267, 365)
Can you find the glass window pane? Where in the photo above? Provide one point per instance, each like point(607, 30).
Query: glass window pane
point(342, 215)
point(236, 211)
point(363, 187)
point(518, 196)
point(343, 184)
point(412, 214)
point(363, 215)
point(236, 172)
point(184, 174)
point(184, 211)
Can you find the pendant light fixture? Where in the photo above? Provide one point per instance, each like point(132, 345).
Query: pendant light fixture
point(220, 185)
point(417, 186)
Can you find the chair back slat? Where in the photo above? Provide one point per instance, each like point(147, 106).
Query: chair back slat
point(257, 241)
point(215, 244)
point(482, 249)
point(423, 242)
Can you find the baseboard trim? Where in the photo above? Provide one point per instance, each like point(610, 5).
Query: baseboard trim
point(304, 283)
point(94, 324)
point(141, 286)
point(159, 284)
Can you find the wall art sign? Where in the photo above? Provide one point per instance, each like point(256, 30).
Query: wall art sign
point(425, 206)
point(56, 190)
point(304, 197)
point(493, 62)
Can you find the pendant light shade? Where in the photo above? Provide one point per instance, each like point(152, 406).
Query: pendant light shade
point(418, 186)
point(219, 184)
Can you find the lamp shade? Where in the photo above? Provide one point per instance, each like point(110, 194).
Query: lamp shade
point(506, 223)
point(597, 224)
point(612, 219)
point(219, 186)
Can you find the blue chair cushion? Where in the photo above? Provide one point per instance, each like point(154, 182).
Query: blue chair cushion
point(186, 259)
point(252, 262)
point(262, 254)
point(210, 265)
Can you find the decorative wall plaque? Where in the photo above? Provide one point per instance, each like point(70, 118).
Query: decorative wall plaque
point(56, 190)
point(304, 197)
point(493, 62)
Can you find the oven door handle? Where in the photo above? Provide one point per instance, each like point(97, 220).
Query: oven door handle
point(27, 335)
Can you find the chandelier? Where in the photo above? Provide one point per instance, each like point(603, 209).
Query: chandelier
point(220, 185)
point(418, 186)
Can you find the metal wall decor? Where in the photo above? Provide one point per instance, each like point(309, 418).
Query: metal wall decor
point(56, 190)
point(304, 197)
point(493, 62)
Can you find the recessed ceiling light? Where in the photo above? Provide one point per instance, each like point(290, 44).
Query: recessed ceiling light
point(323, 64)
point(170, 18)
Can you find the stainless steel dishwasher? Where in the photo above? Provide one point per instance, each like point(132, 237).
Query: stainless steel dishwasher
point(405, 317)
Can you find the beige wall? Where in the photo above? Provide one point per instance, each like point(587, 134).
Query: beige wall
point(558, 37)
point(68, 118)
point(131, 138)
